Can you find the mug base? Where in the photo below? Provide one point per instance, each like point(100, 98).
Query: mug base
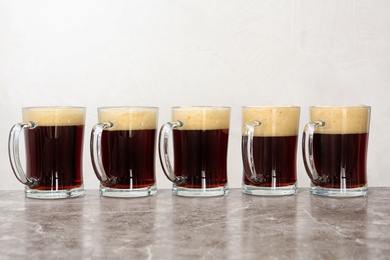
point(270, 191)
point(128, 193)
point(54, 194)
point(207, 192)
point(342, 193)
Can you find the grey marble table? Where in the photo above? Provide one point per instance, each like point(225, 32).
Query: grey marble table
point(236, 226)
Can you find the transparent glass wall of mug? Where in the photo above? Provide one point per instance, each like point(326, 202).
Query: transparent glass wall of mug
point(123, 151)
point(334, 148)
point(54, 150)
point(200, 146)
point(269, 150)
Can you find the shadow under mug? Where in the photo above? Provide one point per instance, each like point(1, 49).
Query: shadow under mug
point(123, 151)
point(54, 151)
point(200, 145)
point(334, 148)
point(269, 150)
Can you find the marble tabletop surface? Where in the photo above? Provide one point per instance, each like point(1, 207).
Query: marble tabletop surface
point(236, 226)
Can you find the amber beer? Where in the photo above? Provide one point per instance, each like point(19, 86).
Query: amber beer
point(340, 150)
point(275, 136)
point(128, 151)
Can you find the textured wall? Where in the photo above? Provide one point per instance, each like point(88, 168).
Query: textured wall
point(169, 53)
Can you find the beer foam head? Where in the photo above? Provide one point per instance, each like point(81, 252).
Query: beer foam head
point(341, 120)
point(275, 121)
point(202, 118)
point(55, 116)
point(129, 118)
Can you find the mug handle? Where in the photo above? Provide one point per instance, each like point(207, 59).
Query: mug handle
point(307, 150)
point(163, 140)
point(247, 154)
point(13, 153)
point(96, 152)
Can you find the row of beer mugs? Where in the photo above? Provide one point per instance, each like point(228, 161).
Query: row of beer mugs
point(192, 149)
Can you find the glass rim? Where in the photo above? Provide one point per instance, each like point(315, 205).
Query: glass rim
point(128, 107)
point(340, 107)
point(276, 106)
point(54, 107)
point(200, 107)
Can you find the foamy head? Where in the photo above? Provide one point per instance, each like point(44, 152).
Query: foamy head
point(275, 121)
point(129, 118)
point(202, 118)
point(55, 116)
point(342, 120)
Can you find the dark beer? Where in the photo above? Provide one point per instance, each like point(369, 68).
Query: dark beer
point(54, 156)
point(275, 159)
point(201, 157)
point(274, 146)
point(341, 158)
point(336, 160)
point(129, 157)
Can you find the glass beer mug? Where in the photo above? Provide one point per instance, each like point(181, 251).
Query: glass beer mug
point(334, 150)
point(54, 151)
point(269, 150)
point(200, 145)
point(123, 151)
